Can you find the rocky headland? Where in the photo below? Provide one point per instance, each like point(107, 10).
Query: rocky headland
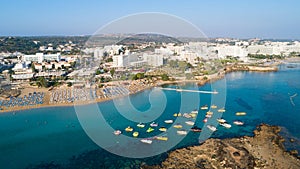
point(263, 150)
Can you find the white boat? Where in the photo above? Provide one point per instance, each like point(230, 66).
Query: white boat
point(205, 107)
point(221, 120)
point(221, 110)
point(190, 123)
point(169, 121)
point(117, 132)
point(194, 112)
point(238, 123)
point(140, 125)
point(208, 116)
point(186, 115)
point(211, 127)
point(147, 141)
point(153, 124)
point(226, 125)
point(181, 132)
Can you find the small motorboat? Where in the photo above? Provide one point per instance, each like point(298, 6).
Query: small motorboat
point(193, 115)
point(190, 123)
point(129, 129)
point(141, 125)
point(135, 134)
point(221, 120)
point(181, 132)
point(117, 132)
point(212, 128)
point(205, 120)
point(240, 113)
point(147, 141)
point(149, 130)
point(177, 114)
point(169, 121)
point(153, 124)
point(213, 106)
point(209, 113)
point(194, 112)
point(163, 129)
point(196, 129)
point(177, 126)
point(226, 125)
point(186, 115)
point(205, 107)
point(221, 110)
point(238, 123)
point(208, 116)
point(163, 138)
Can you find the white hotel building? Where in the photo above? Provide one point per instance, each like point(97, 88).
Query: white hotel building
point(40, 57)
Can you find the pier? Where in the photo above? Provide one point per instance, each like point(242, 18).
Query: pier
point(186, 90)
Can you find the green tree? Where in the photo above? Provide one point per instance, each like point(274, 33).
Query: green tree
point(98, 72)
point(112, 72)
point(140, 75)
point(42, 82)
point(33, 68)
point(164, 77)
point(69, 84)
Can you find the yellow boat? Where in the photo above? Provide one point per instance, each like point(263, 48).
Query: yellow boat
point(129, 129)
point(213, 106)
point(177, 114)
point(177, 126)
point(162, 129)
point(193, 115)
point(209, 113)
point(240, 113)
point(135, 134)
point(163, 138)
point(221, 110)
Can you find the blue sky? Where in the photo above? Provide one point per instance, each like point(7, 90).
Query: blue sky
point(216, 18)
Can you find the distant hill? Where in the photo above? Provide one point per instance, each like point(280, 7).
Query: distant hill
point(146, 38)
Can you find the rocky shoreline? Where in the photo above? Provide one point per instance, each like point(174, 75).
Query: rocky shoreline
point(264, 150)
point(251, 68)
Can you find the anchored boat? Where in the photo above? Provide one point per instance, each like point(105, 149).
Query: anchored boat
point(135, 134)
point(129, 129)
point(147, 141)
point(212, 128)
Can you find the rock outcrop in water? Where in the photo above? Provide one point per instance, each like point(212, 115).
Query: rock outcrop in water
point(264, 150)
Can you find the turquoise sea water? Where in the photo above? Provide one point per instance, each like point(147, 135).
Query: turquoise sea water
point(53, 137)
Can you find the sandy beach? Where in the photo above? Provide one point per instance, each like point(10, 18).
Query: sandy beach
point(200, 80)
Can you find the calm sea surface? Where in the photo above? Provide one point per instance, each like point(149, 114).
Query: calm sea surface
point(53, 137)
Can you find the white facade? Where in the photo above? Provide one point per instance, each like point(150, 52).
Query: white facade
point(190, 57)
point(98, 53)
point(154, 60)
point(40, 57)
point(120, 61)
point(235, 51)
